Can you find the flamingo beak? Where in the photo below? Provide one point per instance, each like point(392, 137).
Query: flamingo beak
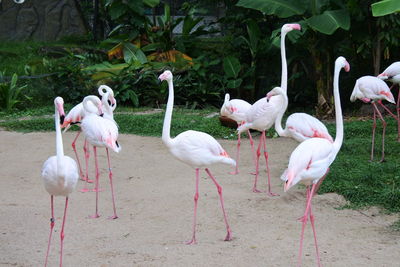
point(288, 183)
point(383, 76)
point(60, 109)
point(347, 67)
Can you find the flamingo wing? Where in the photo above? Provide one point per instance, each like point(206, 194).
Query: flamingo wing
point(372, 88)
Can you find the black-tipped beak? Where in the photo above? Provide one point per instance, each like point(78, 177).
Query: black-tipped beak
point(62, 117)
point(109, 102)
point(101, 115)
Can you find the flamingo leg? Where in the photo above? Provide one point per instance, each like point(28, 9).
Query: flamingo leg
point(264, 138)
point(252, 147)
point(373, 136)
point(312, 221)
point(383, 131)
point(258, 153)
point(96, 215)
point(87, 154)
point(76, 156)
point(62, 230)
point(196, 197)
point(304, 219)
point(237, 156)
point(219, 188)
point(388, 110)
point(111, 185)
point(317, 185)
point(398, 115)
point(52, 220)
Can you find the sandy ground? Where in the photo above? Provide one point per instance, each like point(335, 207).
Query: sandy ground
point(154, 196)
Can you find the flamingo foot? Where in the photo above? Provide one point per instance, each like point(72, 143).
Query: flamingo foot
point(253, 173)
point(191, 242)
point(94, 216)
point(255, 190)
point(382, 160)
point(302, 219)
point(272, 194)
point(97, 190)
point(113, 217)
point(234, 172)
point(228, 236)
point(84, 190)
point(88, 180)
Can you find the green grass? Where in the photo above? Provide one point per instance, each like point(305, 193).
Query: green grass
point(361, 182)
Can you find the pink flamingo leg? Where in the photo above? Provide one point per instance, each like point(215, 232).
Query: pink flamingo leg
point(398, 115)
point(373, 136)
point(111, 185)
point(96, 215)
point(253, 153)
point(62, 230)
point(315, 236)
point(304, 221)
point(76, 156)
point(87, 154)
point(388, 110)
point(383, 131)
point(264, 138)
point(52, 220)
point(258, 153)
point(237, 156)
point(196, 197)
point(219, 188)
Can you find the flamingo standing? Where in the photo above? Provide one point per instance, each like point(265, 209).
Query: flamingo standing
point(100, 132)
point(262, 114)
point(311, 159)
point(392, 74)
point(370, 89)
point(236, 109)
point(196, 149)
point(77, 113)
point(60, 175)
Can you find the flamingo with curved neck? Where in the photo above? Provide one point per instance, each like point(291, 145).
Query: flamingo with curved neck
point(197, 149)
point(310, 161)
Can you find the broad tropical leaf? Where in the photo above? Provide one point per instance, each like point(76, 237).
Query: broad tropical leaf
point(231, 66)
point(131, 52)
point(329, 21)
point(280, 8)
point(151, 3)
point(385, 7)
point(234, 83)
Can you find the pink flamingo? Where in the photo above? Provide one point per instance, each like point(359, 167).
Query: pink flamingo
point(100, 132)
point(77, 113)
point(262, 114)
point(370, 89)
point(60, 175)
point(196, 149)
point(236, 109)
point(311, 159)
point(392, 74)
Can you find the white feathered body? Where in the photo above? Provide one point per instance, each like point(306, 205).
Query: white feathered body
point(392, 73)
point(262, 114)
point(235, 109)
point(302, 126)
point(198, 149)
point(310, 161)
point(372, 88)
point(60, 182)
point(101, 132)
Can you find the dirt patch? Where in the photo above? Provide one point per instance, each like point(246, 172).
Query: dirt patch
point(154, 197)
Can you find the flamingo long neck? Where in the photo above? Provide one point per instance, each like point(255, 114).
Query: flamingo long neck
point(338, 110)
point(107, 108)
point(59, 144)
point(166, 136)
point(278, 120)
point(284, 76)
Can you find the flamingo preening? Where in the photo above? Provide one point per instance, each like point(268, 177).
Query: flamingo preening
point(370, 89)
point(60, 175)
point(262, 114)
point(197, 149)
point(311, 159)
point(236, 109)
point(100, 132)
point(392, 74)
point(77, 113)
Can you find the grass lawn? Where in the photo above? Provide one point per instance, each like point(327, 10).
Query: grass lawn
point(361, 182)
